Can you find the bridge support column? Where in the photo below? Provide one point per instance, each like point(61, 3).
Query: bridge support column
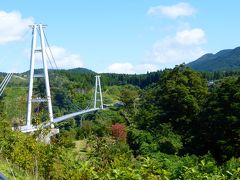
point(42, 50)
point(98, 93)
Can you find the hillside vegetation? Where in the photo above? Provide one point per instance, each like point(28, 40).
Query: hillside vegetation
point(169, 125)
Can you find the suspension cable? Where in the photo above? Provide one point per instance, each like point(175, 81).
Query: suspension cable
point(50, 50)
point(52, 57)
point(48, 46)
point(5, 82)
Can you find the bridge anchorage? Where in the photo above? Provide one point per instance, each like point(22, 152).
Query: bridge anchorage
point(29, 127)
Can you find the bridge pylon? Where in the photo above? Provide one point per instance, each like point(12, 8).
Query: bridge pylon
point(98, 93)
point(38, 29)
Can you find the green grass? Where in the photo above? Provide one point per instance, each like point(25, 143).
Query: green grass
point(81, 146)
point(111, 94)
point(11, 172)
point(15, 103)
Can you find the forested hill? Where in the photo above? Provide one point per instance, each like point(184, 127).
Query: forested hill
point(109, 79)
point(141, 80)
point(225, 60)
point(82, 70)
point(178, 127)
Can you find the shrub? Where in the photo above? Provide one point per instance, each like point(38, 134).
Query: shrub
point(119, 132)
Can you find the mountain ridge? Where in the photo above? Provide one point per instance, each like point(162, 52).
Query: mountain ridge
point(224, 60)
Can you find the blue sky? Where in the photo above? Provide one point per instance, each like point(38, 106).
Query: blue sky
point(124, 36)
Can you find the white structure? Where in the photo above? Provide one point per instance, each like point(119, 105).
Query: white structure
point(5, 82)
point(29, 127)
point(98, 93)
point(39, 28)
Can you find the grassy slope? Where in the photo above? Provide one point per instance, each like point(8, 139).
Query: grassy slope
point(112, 94)
point(15, 99)
point(13, 173)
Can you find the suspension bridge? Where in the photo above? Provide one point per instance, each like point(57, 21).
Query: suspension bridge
point(38, 31)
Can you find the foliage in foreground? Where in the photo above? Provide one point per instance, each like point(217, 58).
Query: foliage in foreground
point(106, 158)
point(177, 128)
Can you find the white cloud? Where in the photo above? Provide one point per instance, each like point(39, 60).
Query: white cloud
point(174, 11)
point(183, 47)
point(128, 68)
point(13, 26)
point(125, 68)
point(65, 59)
point(143, 68)
point(192, 36)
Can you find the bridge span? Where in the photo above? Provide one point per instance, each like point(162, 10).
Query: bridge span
point(38, 29)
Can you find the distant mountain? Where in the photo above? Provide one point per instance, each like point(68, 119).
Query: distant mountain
point(225, 60)
point(81, 70)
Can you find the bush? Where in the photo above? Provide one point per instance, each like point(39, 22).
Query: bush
point(119, 132)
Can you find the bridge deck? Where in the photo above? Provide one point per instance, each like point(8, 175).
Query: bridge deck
point(67, 116)
point(32, 128)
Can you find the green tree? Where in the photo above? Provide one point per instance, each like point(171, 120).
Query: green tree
point(219, 126)
point(178, 98)
point(130, 97)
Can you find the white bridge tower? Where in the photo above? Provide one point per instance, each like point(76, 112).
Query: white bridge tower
point(38, 29)
point(98, 93)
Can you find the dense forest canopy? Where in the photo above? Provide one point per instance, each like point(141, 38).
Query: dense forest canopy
point(169, 124)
